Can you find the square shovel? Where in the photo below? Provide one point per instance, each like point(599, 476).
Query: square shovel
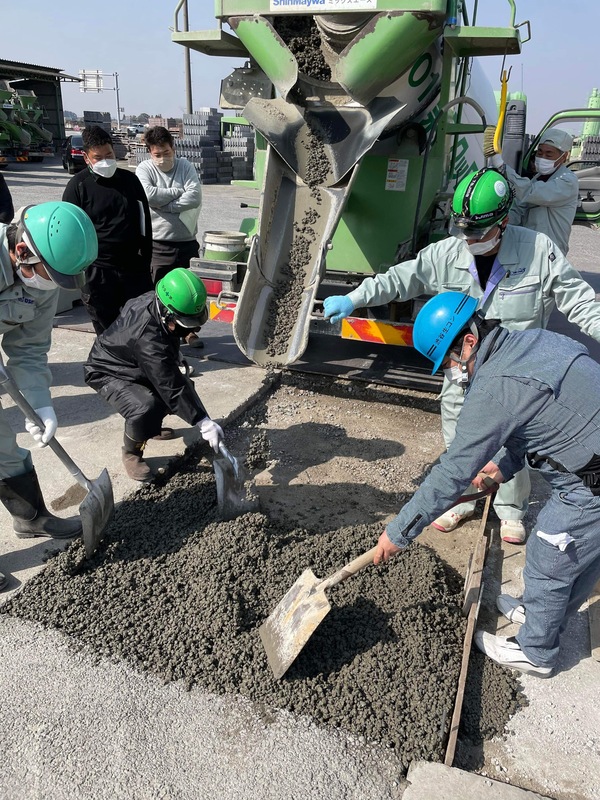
point(235, 495)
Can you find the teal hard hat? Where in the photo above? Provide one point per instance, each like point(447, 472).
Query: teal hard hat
point(63, 237)
point(183, 295)
point(439, 322)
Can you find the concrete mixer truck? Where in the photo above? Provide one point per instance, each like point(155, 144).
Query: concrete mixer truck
point(370, 111)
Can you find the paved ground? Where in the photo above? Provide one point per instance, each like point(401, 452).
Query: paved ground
point(73, 728)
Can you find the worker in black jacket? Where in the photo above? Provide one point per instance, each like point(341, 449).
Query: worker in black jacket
point(134, 366)
point(7, 210)
point(116, 202)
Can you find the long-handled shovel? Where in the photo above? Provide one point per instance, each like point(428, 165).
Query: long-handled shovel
point(97, 507)
point(234, 489)
point(302, 609)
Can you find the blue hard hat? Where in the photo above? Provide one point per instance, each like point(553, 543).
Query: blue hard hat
point(439, 322)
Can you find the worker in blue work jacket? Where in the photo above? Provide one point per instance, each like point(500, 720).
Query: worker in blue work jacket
point(46, 247)
point(532, 397)
point(515, 274)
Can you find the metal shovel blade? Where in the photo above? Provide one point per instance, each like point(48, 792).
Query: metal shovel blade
point(97, 507)
point(293, 621)
point(301, 611)
point(96, 511)
point(235, 494)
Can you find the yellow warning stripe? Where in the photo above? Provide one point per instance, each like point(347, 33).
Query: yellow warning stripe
point(221, 313)
point(371, 330)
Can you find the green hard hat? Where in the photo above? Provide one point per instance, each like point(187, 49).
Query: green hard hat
point(183, 294)
point(480, 201)
point(63, 237)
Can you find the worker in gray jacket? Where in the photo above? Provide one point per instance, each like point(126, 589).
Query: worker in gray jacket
point(532, 397)
point(174, 193)
point(515, 274)
point(547, 202)
point(48, 246)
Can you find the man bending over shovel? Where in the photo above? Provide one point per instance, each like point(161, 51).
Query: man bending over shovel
point(532, 397)
point(47, 246)
point(134, 366)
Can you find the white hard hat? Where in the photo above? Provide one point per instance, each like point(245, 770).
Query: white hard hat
point(562, 140)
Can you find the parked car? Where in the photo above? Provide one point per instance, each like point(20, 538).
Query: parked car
point(72, 153)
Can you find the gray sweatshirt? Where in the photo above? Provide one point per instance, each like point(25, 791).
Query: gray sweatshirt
point(169, 194)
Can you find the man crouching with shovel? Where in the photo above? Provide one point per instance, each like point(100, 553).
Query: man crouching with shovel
point(135, 366)
point(531, 397)
point(47, 246)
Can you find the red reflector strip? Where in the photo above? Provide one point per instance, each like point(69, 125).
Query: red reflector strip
point(222, 314)
point(370, 330)
point(212, 286)
point(76, 152)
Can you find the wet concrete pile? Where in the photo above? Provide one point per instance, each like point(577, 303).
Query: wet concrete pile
point(302, 36)
point(179, 594)
point(287, 293)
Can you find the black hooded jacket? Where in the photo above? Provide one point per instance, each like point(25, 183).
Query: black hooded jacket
point(137, 348)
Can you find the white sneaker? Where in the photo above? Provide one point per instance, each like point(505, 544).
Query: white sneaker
point(506, 651)
point(513, 531)
point(511, 607)
point(448, 521)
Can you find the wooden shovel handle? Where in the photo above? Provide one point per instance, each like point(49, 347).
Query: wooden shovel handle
point(347, 570)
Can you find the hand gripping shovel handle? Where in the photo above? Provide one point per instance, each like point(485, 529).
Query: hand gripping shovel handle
point(22, 404)
point(367, 558)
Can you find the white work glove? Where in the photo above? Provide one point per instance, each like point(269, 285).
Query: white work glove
point(211, 432)
point(496, 161)
point(48, 417)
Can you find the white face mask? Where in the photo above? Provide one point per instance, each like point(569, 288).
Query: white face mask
point(165, 164)
point(454, 375)
point(481, 248)
point(105, 168)
point(36, 281)
point(544, 166)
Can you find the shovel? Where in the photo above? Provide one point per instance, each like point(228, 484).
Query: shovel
point(233, 485)
point(97, 507)
point(299, 613)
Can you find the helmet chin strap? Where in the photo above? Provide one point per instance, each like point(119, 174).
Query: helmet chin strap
point(464, 362)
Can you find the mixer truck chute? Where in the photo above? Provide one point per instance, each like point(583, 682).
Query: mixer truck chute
point(369, 116)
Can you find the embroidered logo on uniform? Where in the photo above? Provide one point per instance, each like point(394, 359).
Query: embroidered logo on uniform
point(552, 257)
point(519, 271)
point(27, 300)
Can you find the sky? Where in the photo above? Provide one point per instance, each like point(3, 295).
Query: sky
point(557, 69)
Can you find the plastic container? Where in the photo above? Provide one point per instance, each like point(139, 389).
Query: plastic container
point(224, 245)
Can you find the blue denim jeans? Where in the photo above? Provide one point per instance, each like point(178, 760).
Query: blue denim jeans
point(557, 582)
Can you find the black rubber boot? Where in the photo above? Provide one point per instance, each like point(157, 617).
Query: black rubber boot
point(135, 466)
point(3, 581)
point(22, 497)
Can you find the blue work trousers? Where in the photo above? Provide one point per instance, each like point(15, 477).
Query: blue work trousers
point(558, 581)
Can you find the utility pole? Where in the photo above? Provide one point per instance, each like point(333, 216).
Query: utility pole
point(187, 63)
point(116, 74)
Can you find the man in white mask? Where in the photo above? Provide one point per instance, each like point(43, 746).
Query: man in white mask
point(172, 185)
point(516, 275)
point(46, 247)
point(115, 201)
point(547, 202)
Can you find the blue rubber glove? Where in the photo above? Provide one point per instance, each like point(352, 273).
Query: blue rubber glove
point(337, 307)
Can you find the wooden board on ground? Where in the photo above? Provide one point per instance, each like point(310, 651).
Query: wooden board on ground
point(594, 617)
point(472, 600)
